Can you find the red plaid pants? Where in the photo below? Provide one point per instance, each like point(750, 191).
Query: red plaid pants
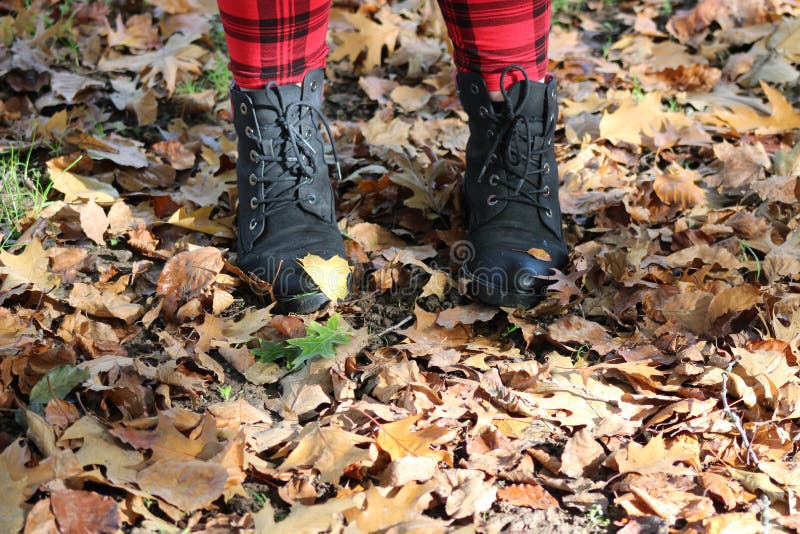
point(281, 40)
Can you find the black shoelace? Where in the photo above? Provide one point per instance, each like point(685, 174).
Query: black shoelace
point(289, 149)
point(510, 162)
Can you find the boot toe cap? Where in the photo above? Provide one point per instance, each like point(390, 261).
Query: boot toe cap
point(507, 270)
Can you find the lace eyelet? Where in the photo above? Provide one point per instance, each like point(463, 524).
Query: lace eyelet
point(254, 156)
point(490, 133)
point(248, 131)
point(307, 134)
point(493, 180)
point(313, 85)
point(243, 107)
point(483, 112)
point(253, 224)
point(312, 198)
point(548, 212)
point(546, 192)
point(253, 202)
point(252, 179)
point(546, 167)
point(550, 142)
point(304, 159)
point(491, 200)
point(475, 89)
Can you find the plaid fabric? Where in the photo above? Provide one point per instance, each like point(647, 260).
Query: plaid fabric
point(277, 40)
point(281, 40)
point(489, 35)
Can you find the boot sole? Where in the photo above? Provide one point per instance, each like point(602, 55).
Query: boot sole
point(499, 297)
point(310, 302)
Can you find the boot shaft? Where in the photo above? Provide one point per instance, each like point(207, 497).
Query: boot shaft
point(508, 140)
point(281, 155)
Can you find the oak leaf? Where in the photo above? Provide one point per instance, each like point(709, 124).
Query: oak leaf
point(369, 34)
point(329, 450)
point(659, 456)
point(398, 440)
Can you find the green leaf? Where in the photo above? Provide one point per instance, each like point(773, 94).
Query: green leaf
point(319, 341)
point(58, 382)
point(271, 351)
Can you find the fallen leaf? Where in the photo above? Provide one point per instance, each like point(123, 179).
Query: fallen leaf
point(188, 484)
point(677, 187)
point(28, 268)
point(328, 450)
point(331, 275)
point(85, 511)
point(530, 495)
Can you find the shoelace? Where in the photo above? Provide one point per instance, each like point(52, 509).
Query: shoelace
point(512, 116)
point(299, 155)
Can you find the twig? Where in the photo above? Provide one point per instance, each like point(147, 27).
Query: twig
point(766, 517)
point(395, 327)
point(737, 421)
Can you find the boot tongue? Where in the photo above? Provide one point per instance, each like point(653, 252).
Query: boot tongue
point(534, 105)
point(264, 104)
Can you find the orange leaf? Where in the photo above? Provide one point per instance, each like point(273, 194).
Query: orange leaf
point(531, 495)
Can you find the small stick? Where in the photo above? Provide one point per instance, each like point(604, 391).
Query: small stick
point(737, 421)
point(395, 327)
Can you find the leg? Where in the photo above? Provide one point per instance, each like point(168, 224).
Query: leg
point(274, 40)
point(489, 35)
point(511, 180)
point(286, 204)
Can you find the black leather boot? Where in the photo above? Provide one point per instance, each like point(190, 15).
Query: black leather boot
point(286, 204)
point(511, 188)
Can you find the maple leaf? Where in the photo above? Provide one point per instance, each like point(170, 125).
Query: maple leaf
point(368, 34)
point(28, 268)
point(783, 116)
point(398, 440)
point(329, 450)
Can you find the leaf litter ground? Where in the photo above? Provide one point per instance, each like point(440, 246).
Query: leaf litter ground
point(654, 389)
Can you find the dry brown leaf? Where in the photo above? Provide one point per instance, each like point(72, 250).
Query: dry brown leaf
point(187, 274)
point(84, 511)
point(30, 267)
point(659, 456)
point(188, 484)
point(369, 35)
point(378, 509)
point(398, 440)
point(677, 187)
point(468, 314)
point(581, 454)
point(328, 450)
point(530, 495)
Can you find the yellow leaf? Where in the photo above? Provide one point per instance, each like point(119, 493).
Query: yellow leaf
point(677, 186)
point(329, 450)
point(30, 267)
point(200, 221)
point(398, 440)
point(331, 275)
point(633, 119)
point(76, 187)
point(782, 119)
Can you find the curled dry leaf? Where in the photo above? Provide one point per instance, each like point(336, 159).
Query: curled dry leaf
point(187, 274)
point(529, 495)
point(677, 187)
